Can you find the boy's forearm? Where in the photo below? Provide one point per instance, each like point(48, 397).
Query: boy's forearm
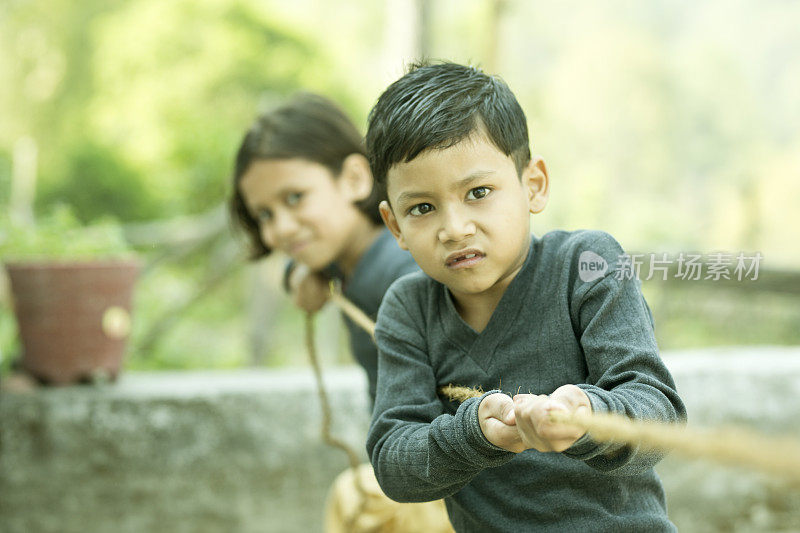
point(640, 404)
point(626, 374)
point(427, 461)
point(418, 451)
point(618, 459)
point(637, 386)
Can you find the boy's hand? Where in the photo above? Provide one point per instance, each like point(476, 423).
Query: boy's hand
point(496, 416)
point(533, 418)
point(309, 289)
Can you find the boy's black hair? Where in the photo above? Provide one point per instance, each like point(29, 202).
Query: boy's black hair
point(435, 106)
point(310, 127)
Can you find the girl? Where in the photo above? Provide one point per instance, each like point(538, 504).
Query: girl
point(302, 185)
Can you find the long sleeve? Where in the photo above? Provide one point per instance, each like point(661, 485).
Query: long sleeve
point(626, 375)
point(551, 327)
point(420, 453)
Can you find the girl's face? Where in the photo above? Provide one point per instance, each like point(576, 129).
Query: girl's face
point(301, 208)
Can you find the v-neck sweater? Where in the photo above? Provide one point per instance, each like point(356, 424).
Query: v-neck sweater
point(550, 328)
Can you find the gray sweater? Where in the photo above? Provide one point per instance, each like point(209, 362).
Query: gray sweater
point(550, 328)
point(375, 272)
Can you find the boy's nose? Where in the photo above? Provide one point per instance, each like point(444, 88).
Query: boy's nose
point(455, 226)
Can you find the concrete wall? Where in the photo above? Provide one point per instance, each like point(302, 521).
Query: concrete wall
point(241, 451)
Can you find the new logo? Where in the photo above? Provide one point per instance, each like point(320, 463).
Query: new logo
point(591, 266)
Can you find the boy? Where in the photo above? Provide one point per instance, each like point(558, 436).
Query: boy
point(449, 147)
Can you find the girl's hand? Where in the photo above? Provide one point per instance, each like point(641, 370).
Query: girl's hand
point(536, 429)
point(309, 289)
point(498, 424)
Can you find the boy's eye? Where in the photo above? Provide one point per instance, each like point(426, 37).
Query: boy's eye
point(293, 198)
point(420, 209)
point(477, 193)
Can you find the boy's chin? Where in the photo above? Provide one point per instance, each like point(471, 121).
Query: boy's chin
point(473, 287)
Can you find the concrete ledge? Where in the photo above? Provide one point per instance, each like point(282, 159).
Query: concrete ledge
point(756, 388)
point(241, 451)
point(182, 452)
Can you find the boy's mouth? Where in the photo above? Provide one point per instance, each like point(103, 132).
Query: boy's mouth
point(464, 258)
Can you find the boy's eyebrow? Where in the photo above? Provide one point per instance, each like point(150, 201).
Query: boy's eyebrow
point(477, 175)
point(460, 184)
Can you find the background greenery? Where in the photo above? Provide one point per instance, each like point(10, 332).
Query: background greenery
point(671, 124)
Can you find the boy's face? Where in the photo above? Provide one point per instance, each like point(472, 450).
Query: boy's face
point(464, 213)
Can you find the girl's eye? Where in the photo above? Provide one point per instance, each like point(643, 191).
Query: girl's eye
point(263, 215)
point(477, 193)
point(293, 198)
point(420, 209)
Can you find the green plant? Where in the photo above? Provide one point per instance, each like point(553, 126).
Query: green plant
point(51, 265)
point(60, 236)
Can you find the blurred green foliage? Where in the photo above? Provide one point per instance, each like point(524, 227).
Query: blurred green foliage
point(688, 316)
point(157, 95)
point(208, 335)
point(97, 182)
point(672, 125)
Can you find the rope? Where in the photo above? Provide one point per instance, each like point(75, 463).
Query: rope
point(356, 315)
point(327, 435)
point(773, 455)
point(777, 456)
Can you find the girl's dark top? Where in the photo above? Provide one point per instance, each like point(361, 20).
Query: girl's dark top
point(379, 267)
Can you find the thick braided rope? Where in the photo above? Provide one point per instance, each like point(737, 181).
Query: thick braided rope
point(774, 455)
point(356, 315)
point(737, 447)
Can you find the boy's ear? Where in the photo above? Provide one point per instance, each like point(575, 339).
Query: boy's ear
point(355, 179)
point(391, 222)
point(536, 184)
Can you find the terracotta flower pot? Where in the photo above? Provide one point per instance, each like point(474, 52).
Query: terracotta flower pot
point(73, 317)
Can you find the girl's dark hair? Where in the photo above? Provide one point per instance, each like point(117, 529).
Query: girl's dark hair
point(310, 127)
point(436, 106)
